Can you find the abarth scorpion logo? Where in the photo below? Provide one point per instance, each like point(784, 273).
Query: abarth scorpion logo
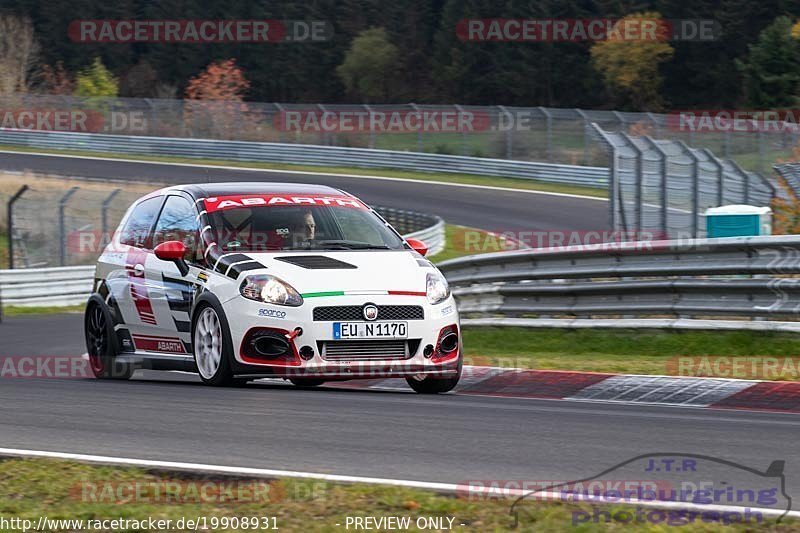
point(370, 312)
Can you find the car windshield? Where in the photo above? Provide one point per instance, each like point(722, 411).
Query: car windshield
point(319, 227)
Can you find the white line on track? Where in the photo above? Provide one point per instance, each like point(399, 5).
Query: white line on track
point(310, 173)
point(336, 478)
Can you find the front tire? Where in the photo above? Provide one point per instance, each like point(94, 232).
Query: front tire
point(212, 347)
point(100, 345)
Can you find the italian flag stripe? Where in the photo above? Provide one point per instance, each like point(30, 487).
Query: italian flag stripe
point(360, 293)
point(326, 293)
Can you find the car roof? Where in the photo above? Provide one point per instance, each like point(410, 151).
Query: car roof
point(203, 190)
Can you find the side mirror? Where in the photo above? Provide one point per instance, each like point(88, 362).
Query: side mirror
point(174, 251)
point(420, 247)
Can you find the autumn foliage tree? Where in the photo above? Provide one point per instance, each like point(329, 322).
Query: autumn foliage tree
point(630, 65)
point(214, 101)
point(221, 80)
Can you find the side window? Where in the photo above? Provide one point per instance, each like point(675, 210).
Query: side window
point(137, 228)
point(178, 222)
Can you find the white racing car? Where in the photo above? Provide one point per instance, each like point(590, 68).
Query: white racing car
point(238, 281)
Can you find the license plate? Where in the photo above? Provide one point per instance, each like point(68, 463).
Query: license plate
point(370, 330)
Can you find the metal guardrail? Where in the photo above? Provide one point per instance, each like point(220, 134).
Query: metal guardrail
point(302, 154)
point(63, 286)
point(51, 287)
point(706, 279)
point(414, 225)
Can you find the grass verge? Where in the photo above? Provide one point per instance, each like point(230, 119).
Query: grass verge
point(64, 490)
point(13, 310)
point(470, 179)
point(459, 239)
point(628, 351)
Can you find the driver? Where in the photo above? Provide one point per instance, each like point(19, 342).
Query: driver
point(303, 228)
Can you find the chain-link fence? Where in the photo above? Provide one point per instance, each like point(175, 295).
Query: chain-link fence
point(665, 186)
point(523, 133)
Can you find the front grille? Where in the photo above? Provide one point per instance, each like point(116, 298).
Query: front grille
point(345, 313)
point(365, 350)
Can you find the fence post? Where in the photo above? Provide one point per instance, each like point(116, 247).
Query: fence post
point(549, 132)
point(638, 211)
point(62, 230)
point(656, 124)
point(371, 129)
point(720, 175)
point(746, 184)
point(104, 212)
point(613, 176)
point(464, 148)
point(509, 131)
point(281, 122)
point(695, 188)
point(420, 142)
point(10, 225)
point(663, 171)
point(586, 139)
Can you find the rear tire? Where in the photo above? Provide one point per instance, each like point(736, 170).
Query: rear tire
point(307, 382)
point(434, 384)
point(211, 344)
point(101, 345)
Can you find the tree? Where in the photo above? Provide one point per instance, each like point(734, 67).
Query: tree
point(214, 104)
point(369, 65)
point(57, 80)
point(222, 80)
point(141, 81)
point(630, 67)
point(96, 81)
point(18, 53)
point(772, 69)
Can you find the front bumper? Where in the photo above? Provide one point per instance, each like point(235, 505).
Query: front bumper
point(246, 316)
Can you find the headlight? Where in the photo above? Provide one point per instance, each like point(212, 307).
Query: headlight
point(271, 290)
point(436, 288)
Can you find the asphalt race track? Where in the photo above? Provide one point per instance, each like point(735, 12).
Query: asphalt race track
point(475, 207)
point(446, 438)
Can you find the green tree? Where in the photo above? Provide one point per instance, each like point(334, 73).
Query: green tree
point(772, 69)
point(630, 66)
point(96, 80)
point(369, 65)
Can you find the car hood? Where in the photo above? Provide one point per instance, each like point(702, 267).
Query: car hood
point(362, 271)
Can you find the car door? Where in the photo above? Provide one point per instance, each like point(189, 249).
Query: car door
point(171, 293)
point(123, 269)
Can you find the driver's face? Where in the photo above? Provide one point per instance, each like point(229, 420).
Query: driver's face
point(308, 227)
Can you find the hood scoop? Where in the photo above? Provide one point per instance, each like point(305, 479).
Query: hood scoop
point(315, 262)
